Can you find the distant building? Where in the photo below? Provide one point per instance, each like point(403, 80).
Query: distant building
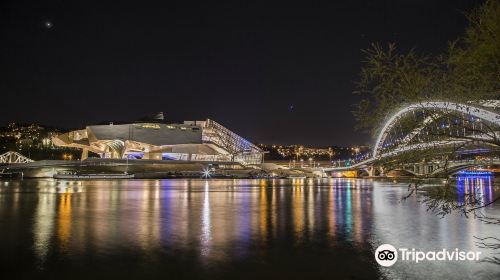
point(154, 139)
point(24, 136)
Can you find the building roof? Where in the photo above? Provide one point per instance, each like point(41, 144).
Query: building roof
point(157, 134)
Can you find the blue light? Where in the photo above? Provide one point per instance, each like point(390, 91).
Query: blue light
point(135, 155)
point(474, 173)
point(167, 156)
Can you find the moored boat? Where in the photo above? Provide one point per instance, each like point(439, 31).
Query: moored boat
point(11, 174)
point(297, 177)
point(86, 176)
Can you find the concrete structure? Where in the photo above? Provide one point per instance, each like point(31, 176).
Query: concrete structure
point(435, 168)
point(188, 141)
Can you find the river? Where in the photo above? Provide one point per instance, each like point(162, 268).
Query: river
point(231, 229)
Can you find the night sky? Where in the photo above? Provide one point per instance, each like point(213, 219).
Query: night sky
point(273, 72)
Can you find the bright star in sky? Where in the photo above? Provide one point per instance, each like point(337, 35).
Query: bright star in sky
point(48, 24)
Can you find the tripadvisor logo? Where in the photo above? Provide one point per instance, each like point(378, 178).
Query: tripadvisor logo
point(387, 255)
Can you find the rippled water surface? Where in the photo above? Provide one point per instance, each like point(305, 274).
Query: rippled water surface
point(229, 229)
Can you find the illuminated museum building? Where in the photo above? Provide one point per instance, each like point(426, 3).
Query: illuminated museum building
point(155, 140)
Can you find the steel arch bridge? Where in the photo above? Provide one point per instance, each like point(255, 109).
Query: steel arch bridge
point(435, 125)
point(477, 123)
point(14, 157)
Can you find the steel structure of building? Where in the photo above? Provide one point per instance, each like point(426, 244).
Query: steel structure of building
point(188, 141)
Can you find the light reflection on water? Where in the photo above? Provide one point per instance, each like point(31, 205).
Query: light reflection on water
point(203, 226)
point(478, 186)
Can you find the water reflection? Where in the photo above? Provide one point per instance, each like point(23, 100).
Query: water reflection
point(409, 224)
point(157, 213)
point(206, 231)
point(64, 220)
point(478, 187)
point(43, 226)
point(213, 221)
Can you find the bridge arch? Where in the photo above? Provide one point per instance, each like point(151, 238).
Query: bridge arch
point(470, 109)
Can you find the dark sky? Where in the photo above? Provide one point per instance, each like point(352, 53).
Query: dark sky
point(242, 64)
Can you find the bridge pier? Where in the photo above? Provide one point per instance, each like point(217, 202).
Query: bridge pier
point(373, 170)
point(438, 168)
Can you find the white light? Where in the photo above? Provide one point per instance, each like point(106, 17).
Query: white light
point(206, 173)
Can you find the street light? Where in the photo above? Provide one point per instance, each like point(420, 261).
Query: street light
point(206, 173)
point(356, 151)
